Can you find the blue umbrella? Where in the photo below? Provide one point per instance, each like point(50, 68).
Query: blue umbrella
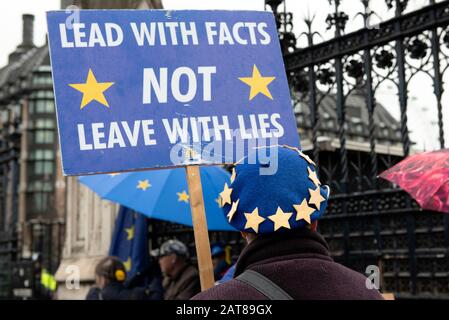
point(163, 194)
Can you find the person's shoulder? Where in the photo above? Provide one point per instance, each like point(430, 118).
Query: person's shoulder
point(93, 294)
point(191, 271)
point(356, 282)
point(230, 290)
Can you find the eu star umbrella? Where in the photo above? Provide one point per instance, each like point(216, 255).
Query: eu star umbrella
point(163, 194)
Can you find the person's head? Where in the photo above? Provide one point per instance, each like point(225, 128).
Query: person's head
point(218, 254)
point(287, 197)
point(249, 236)
point(109, 270)
point(173, 255)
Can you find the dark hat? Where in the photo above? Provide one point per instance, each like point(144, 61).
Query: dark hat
point(217, 250)
point(286, 197)
point(169, 247)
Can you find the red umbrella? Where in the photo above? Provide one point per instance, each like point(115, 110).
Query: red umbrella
point(425, 176)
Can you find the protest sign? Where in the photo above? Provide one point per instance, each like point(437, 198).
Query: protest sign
point(147, 89)
point(136, 89)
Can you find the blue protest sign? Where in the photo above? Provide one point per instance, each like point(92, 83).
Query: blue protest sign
point(140, 89)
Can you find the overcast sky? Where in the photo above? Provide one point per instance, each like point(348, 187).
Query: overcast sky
point(422, 110)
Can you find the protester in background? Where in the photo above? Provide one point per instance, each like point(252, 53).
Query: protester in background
point(229, 275)
point(181, 278)
point(45, 283)
point(219, 261)
point(276, 213)
point(150, 279)
point(110, 275)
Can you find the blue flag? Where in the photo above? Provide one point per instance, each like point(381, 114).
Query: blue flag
point(130, 241)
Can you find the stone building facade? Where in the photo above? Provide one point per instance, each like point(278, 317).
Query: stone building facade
point(44, 216)
point(89, 220)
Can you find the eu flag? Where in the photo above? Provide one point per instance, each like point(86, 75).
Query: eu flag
point(130, 241)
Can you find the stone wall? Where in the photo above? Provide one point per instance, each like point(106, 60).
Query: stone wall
point(89, 226)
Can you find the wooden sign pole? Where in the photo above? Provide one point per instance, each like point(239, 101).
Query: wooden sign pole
point(200, 227)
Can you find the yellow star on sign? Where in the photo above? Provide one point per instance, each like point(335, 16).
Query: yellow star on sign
point(313, 177)
point(92, 90)
point(303, 211)
point(127, 264)
point(316, 198)
point(144, 185)
point(258, 84)
point(130, 232)
point(226, 195)
point(183, 196)
point(253, 220)
point(280, 219)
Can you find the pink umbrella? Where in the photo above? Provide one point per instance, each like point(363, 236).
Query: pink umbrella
point(425, 176)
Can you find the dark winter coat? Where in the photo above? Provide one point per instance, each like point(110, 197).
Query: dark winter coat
point(116, 291)
point(299, 262)
point(184, 285)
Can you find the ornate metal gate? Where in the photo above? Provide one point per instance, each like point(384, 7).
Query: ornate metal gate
point(353, 138)
point(369, 221)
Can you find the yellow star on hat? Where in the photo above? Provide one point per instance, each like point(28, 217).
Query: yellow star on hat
point(306, 157)
point(92, 90)
point(258, 84)
point(218, 201)
point(233, 210)
point(225, 195)
point(303, 211)
point(233, 175)
point(280, 219)
point(253, 220)
point(313, 177)
point(316, 198)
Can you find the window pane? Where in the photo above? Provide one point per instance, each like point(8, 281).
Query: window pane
point(37, 201)
point(31, 106)
point(50, 107)
point(47, 187)
point(45, 124)
point(44, 136)
point(48, 167)
point(40, 106)
point(43, 167)
point(36, 186)
point(49, 94)
point(39, 154)
point(49, 137)
point(40, 201)
point(39, 136)
point(38, 169)
point(49, 155)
